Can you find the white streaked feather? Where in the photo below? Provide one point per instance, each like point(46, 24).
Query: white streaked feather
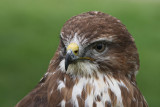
point(61, 85)
point(77, 90)
point(63, 102)
point(99, 86)
point(114, 86)
point(122, 84)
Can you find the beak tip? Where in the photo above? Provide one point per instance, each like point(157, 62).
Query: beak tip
point(66, 67)
point(66, 63)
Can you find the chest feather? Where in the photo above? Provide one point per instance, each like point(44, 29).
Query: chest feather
point(101, 91)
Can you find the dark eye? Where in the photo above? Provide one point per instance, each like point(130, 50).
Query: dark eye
point(99, 47)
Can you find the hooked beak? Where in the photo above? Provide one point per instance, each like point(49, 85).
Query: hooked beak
point(72, 54)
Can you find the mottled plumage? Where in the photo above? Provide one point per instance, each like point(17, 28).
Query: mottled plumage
point(95, 65)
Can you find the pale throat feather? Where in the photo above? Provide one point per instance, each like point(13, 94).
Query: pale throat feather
point(80, 68)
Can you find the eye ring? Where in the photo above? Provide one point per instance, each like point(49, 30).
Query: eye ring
point(99, 47)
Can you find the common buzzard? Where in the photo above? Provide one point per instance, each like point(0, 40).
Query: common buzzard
point(94, 66)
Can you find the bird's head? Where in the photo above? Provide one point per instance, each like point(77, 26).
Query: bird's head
point(95, 42)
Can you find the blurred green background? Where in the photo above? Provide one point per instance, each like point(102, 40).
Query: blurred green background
point(29, 35)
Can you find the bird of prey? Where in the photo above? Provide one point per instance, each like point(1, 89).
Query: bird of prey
point(95, 65)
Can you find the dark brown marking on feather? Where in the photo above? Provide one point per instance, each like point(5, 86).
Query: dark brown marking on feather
point(96, 76)
point(81, 102)
point(126, 99)
point(89, 88)
point(104, 79)
point(101, 94)
point(113, 97)
point(66, 92)
point(108, 104)
point(69, 104)
point(84, 94)
point(98, 98)
point(69, 81)
point(76, 81)
point(94, 104)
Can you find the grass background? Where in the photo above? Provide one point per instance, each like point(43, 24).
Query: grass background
point(29, 35)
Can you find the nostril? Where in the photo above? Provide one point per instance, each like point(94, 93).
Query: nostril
point(76, 52)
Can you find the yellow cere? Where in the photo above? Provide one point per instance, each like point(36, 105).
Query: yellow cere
point(74, 47)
